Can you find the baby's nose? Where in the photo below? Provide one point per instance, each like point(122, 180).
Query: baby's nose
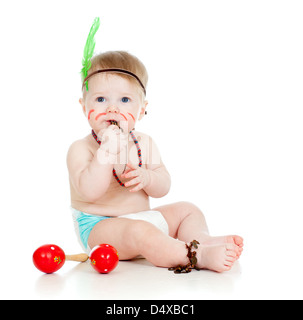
point(112, 109)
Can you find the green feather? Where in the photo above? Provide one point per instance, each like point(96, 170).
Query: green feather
point(89, 49)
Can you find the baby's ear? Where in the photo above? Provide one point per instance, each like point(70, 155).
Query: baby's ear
point(83, 106)
point(143, 110)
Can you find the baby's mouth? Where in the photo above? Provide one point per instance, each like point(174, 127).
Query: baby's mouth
point(113, 122)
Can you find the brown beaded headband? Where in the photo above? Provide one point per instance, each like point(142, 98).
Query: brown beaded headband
point(118, 71)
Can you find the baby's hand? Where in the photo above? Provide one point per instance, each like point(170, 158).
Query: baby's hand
point(141, 177)
point(113, 140)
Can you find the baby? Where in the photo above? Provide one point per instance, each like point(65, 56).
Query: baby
point(114, 170)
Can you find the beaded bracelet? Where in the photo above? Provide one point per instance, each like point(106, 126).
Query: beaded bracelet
point(192, 260)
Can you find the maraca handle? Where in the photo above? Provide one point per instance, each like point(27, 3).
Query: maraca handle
point(81, 257)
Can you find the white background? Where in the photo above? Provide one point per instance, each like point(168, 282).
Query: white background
point(225, 83)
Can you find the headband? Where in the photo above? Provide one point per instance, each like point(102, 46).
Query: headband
point(114, 70)
point(88, 54)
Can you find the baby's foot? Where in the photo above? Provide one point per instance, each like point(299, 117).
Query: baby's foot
point(217, 258)
point(234, 239)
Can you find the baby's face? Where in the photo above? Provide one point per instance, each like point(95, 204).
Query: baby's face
point(111, 97)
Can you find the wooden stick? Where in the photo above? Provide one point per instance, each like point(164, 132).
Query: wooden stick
point(81, 257)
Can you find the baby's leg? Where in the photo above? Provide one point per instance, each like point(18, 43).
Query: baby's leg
point(135, 237)
point(186, 223)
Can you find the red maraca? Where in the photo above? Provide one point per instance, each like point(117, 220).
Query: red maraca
point(104, 258)
point(50, 258)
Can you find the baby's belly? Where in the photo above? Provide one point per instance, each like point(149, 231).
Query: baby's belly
point(113, 204)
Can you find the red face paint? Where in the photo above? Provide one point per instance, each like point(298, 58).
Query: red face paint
point(123, 116)
point(99, 115)
point(90, 113)
point(132, 116)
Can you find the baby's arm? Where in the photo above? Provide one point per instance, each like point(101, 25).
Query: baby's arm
point(89, 176)
point(154, 180)
point(159, 182)
point(91, 171)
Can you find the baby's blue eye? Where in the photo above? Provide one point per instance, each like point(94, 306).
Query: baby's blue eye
point(101, 99)
point(125, 99)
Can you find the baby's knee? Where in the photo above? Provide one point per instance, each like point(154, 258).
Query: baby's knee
point(138, 229)
point(140, 234)
point(186, 209)
point(188, 206)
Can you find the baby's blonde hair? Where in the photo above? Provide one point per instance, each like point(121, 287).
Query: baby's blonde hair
point(120, 60)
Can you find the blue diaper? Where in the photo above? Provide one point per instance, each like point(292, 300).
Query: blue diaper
point(84, 224)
